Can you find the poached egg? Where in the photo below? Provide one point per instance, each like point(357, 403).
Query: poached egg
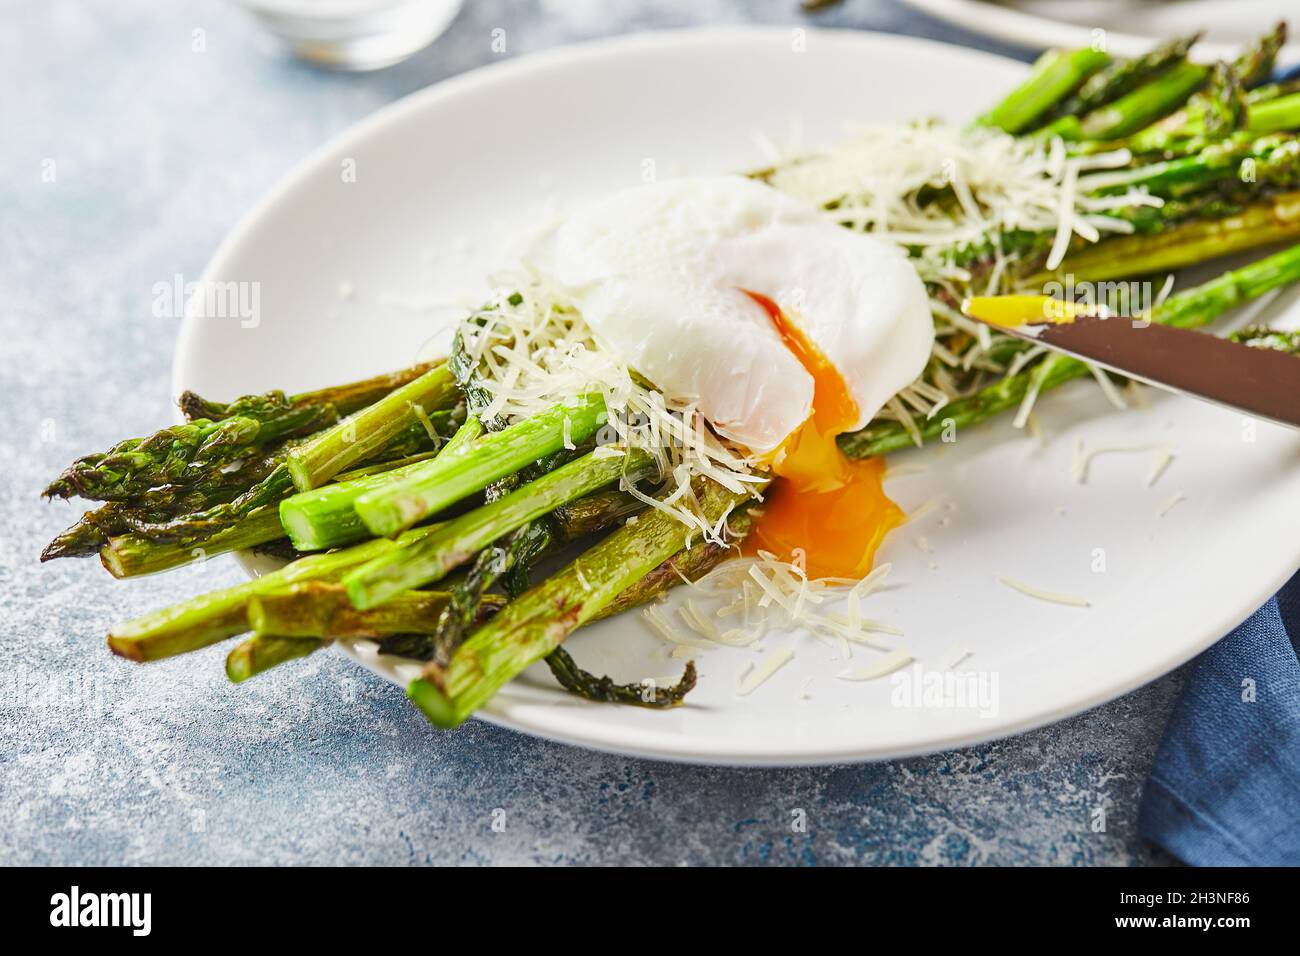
point(783, 328)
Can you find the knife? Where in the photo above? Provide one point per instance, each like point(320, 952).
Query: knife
point(1261, 382)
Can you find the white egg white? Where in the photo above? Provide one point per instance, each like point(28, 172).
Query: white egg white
point(660, 273)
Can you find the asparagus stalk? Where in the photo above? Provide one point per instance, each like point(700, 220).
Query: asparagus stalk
point(169, 512)
point(1055, 75)
point(1136, 109)
point(159, 542)
point(1271, 159)
point(688, 565)
point(213, 617)
point(1268, 109)
point(458, 540)
point(508, 558)
point(322, 609)
point(1276, 115)
point(316, 608)
point(1190, 309)
point(345, 399)
point(463, 611)
point(449, 478)
point(94, 529)
point(1123, 76)
point(181, 454)
point(326, 517)
point(364, 433)
point(1261, 224)
point(132, 555)
point(1261, 337)
point(1221, 107)
point(605, 690)
point(1232, 100)
point(192, 512)
point(512, 557)
point(261, 652)
point(533, 625)
point(594, 513)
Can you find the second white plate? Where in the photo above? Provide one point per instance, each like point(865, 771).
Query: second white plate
point(1126, 27)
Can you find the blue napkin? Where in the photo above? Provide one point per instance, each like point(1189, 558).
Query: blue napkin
point(1225, 787)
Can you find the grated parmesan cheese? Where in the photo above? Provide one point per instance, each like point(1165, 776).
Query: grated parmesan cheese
point(1168, 506)
point(753, 677)
point(1052, 597)
point(1083, 457)
point(535, 351)
point(879, 668)
point(1163, 459)
point(954, 655)
point(1001, 183)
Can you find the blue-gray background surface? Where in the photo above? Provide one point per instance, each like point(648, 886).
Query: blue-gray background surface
point(155, 151)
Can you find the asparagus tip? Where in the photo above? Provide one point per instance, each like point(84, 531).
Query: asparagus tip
point(191, 405)
point(436, 705)
point(59, 488)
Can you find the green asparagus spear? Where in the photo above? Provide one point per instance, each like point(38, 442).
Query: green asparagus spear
point(1269, 109)
point(1274, 115)
point(515, 553)
point(1190, 309)
point(261, 652)
point(605, 690)
point(451, 477)
point(317, 608)
point(278, 485)
point(326, 517)
point(1221, 107)
point(508, 557)
point(345, 399)
point(361, 435)
point(1055, 75)
point(132, 555)
point(1275, 220)
point(213, 617)
point(1136, 109)
point(533, 625)
point(135, 542)
point(192, 513)
point(181, 454)
point(322, 609)
point(1256, 62)
point(688, 565)
point(1271, 160)
point(1120, 77)
point(461, 538)
point(1261, 337)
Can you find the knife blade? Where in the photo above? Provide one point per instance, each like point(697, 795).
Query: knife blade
point(1261, 382)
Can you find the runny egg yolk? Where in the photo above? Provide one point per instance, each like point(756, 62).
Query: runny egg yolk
point(824, 510)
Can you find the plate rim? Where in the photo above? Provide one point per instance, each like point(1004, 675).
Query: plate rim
point(593, 51)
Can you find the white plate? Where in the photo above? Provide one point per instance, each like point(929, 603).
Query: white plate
point(1127, 27)
point(438, 171)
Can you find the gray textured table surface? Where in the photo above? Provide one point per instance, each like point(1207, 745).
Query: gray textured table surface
point(155, 151)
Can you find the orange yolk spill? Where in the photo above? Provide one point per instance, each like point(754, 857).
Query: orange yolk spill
point(824, 507)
